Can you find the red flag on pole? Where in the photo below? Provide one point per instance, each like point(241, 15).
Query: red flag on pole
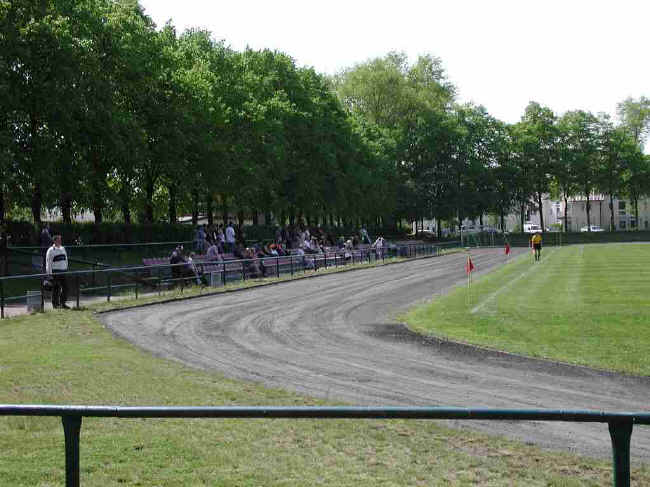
point(469, 266)
point(507, 248)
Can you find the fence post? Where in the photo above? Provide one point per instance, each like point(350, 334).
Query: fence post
point(2, 299)
point(277, 266)
point(78, 290)
point(223, 275)
point(136, 284)
point(108, 298)
point(291, 260)
point(42, 297)
point(620, 432)
point(243, 271)
point(71, 430)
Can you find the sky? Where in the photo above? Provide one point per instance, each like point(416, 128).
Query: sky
point(502, 54)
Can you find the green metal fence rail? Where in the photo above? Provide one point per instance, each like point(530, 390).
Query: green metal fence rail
point(620, 424)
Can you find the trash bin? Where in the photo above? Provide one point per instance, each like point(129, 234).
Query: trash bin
point(34, 301)
point(216, 279)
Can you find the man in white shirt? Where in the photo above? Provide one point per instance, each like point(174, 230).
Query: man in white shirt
point(379, 246)
point(56, 264)
point(230, 237)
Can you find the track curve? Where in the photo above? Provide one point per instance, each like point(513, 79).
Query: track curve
point(335, 337)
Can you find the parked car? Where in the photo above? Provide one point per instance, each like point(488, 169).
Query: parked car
point(532, 228)
point(594, 228)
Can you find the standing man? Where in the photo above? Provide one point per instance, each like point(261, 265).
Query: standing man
point(45, 242)
point(365, 238)
point(379, 247)
point(536, 241)
point(230, 237)
point(56, 264)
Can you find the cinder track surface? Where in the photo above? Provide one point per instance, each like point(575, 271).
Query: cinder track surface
point(336, 337)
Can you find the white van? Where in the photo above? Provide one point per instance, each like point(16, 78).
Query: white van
point(532, 228)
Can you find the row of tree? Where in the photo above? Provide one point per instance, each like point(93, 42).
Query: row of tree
point(99, 110)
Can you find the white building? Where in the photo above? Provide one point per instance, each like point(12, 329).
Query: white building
point(553, 211)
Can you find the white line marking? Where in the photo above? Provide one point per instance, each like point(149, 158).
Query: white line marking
point(478, 307)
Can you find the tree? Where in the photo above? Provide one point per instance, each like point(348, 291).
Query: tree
point(616, 146)
point(635, 117)
point(582, 150)
point(538, 136)
point(565, 178)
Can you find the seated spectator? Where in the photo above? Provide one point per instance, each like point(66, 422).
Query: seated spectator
point(175, 259)
point(271, 250)
point(281, 250)
point(213, 253)
point(316, 246)
point(348, 250)
point(239, 252)
point(252, 265)
point(306, 262)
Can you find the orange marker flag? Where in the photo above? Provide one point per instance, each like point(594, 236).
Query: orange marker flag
point(507, 248)
point(469, 266)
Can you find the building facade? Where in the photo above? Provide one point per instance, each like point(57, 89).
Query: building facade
point(623, 209)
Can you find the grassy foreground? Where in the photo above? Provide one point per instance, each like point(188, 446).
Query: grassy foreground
point(69, 358)
point(586, 305)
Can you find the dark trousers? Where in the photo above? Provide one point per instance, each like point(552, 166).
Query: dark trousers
point(59, 290)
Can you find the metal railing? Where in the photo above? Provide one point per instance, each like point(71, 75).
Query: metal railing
point(136, 280)
point(620, 424)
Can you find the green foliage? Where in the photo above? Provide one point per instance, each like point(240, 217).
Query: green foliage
point(102, 111)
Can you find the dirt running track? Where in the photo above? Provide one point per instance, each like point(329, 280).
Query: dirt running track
point(336, 337)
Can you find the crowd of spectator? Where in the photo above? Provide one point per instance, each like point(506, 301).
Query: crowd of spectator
point(218, 243)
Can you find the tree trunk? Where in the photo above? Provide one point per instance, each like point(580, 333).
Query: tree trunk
point(195, 207)
point(148, 206)
point(209, 209)
point(171, 208)
point(125, 199)
point(224, 210)
point(97, 212)
point(37, 204)
point(66, 208)
point(636, 212)
point(588, 210)
point(522, 216)
point(2, 204)
point(126, 213)
point(240, 218)
point(566, 208)
point(255, 218)
point(541, 211)
point(611, 213)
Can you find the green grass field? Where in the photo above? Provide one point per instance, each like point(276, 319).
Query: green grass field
point(587, 305)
